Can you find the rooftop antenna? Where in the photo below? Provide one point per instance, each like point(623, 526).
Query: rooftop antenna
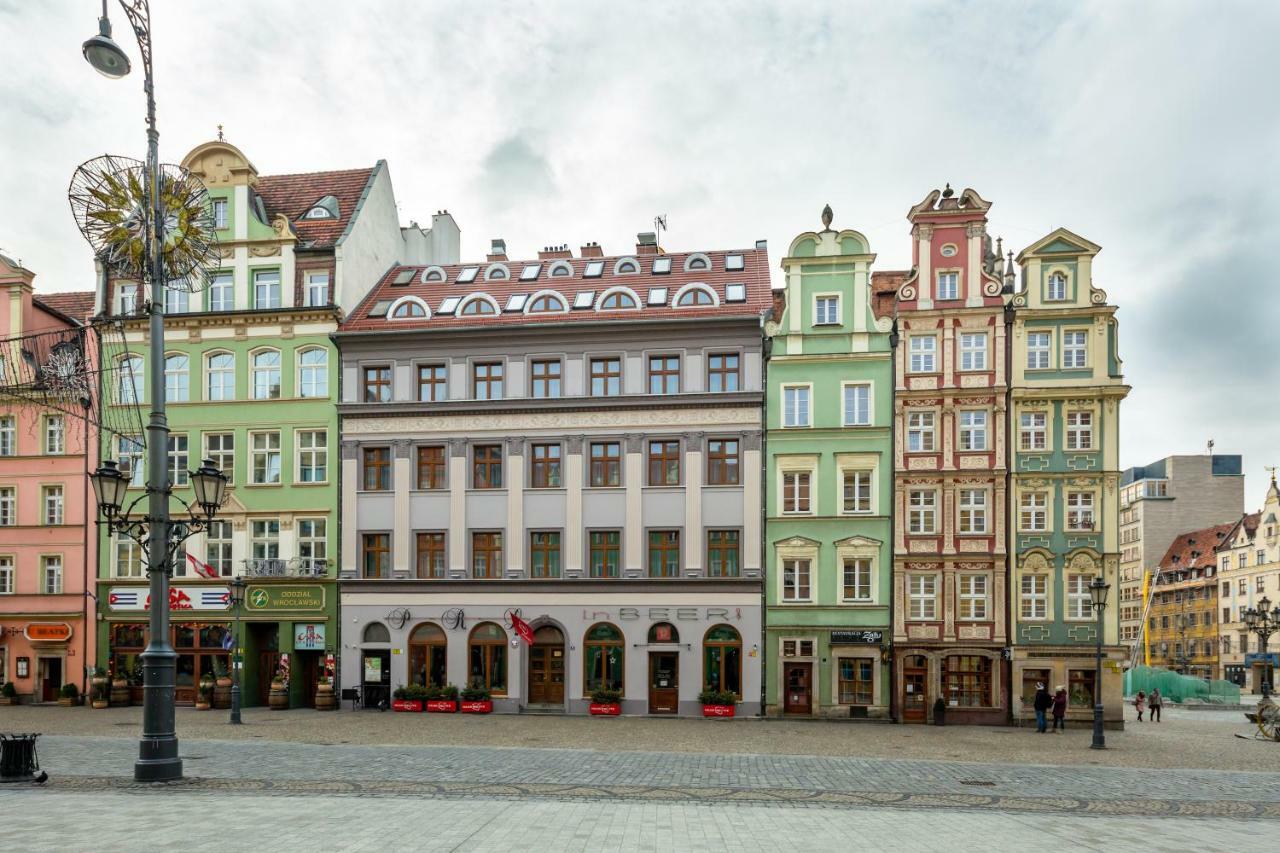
point(1211, 447)
point(221, 138)
point(659, 225)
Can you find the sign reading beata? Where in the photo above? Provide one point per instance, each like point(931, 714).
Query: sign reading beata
point(284, 597)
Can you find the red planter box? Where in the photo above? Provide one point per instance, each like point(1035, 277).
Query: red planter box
point(717, 710)
point(605, 709)
point(483, 706)
point(413, 705)
point(441, 706)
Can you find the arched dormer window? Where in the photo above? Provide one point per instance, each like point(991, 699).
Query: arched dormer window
point(409, 308)
point(546, 302)
point(1057, 287)
point(697, 262)
point(618, 299)
point(431, 274)
point(497, 272)
point(695, 296)
point(325, 208)
point(626, 266)
point(561, 269)
point(477, 305)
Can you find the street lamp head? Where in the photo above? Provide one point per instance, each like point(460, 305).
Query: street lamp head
point(109, 485)
point(1250, 617)
point(210, 486)
point(106, 57)
point(1264, 606)
point(1098, 592)
point(237, 591)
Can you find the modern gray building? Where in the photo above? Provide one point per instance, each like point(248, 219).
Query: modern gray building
point(574, 442)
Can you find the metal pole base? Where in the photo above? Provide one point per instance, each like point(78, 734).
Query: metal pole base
point(166, 766)
point(1099, 739)
point(235, 703)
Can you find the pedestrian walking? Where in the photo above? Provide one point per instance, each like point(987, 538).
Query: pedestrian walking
point(1140, 702)
point(1043, 702)
point(1059, 709)
point(1154, 701)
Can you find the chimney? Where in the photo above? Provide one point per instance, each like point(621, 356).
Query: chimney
point(592, 250)
point(646, 243)
point(497, 250)
point(555, 252)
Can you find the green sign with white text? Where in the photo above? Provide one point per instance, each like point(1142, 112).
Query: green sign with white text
point(290, 597)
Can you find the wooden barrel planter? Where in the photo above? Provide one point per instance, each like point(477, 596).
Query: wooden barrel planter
point(222, 693)
point(120, 693)
point(326, 699)
point(278, 699)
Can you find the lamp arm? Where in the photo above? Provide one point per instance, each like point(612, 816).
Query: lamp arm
point(139, 14)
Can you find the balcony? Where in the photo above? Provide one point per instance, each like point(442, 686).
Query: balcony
point(297, 567)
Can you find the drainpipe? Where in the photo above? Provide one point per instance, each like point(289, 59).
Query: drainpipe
point(1010, 512)
point(766, 350)
point(894, 339)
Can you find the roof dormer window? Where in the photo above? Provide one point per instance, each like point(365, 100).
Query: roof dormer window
point(477, 306)
point(1057, 287)
point(626, 266)
point(697, 262)
point(431, 274)
point(325, 208)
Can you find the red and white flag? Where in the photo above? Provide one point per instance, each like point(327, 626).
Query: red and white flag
point(202, 569)
point(522, 629)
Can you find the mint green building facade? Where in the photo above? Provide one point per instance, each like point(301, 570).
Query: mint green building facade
point(828, 500)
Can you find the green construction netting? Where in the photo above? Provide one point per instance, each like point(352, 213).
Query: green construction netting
point(1180, 688)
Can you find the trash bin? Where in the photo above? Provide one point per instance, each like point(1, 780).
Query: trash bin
point(18, 761)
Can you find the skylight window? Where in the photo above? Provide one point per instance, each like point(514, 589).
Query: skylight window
point(449, 305)
point(379, 308)
point(585, 298)
point(658, 295)
point(467, 275)
point(661, 266)
point(516, 302)
point(735, 292)
point(594, 270)
point(734, 262)
point(402, 278)
point(530, 272)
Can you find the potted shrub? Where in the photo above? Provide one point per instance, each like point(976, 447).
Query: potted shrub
point(442, 699)
point(326, 699)
point(100, 688)
point(605, 702)
point(407, 698)
point(939, 712)
point(68, 695)
point(717, 703)
point(8, 694)
point(119, 685)
point(476, 699)
point(204, 694)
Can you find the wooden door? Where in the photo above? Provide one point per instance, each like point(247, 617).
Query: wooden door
point(664, 682)
point(799, 686)
point(546, 675)
point(50, 679)
point(915, 707)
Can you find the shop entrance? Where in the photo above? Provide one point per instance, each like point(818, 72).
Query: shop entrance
point(799, 683)
point(308, 668)
point(50, 673)
point(664, 682)
point(546, 668)
point(375, 677)
point(915, 678)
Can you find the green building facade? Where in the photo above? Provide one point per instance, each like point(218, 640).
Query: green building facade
point(828, 499)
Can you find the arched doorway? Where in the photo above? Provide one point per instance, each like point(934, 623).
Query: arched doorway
point(428, 654)
point(546, 668)
point(487, 653)
point(915, 693)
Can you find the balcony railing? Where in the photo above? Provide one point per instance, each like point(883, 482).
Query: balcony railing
point(297, 567)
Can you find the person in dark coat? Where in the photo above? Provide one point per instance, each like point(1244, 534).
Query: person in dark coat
point(1060, 709)
point(1043, 702)
point(1154, 702)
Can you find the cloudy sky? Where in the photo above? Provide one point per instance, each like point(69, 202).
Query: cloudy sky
point(1150, 128)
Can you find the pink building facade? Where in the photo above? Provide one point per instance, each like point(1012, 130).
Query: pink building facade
point(46, 620)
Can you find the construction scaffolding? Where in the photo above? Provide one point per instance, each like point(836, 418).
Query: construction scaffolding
point(1180, 688)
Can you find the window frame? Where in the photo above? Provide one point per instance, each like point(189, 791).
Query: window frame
point(869, 404)
point(666, 375)
point(724, 462)
point(376, 468)
point(824, 318)
point(973, 354)
point(658, 465)
point(923, 359)
point(432, 382)
point(799, 389)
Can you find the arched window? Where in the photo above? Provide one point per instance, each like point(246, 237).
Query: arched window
point(428, 650)
point(561, 269)
point(697, 261)
point(695, 296)
point(1057, 287)
point(626, 266)
point(131, 383)
point(325, 208)
point(603, 657)
point(220, 376)
point(266, 375)
point(433, 274)
point(177, 378)
point(477, 305)
point(313, 372)
point(496, 272)
point(487, 653)
point(408, 309)
point(617, 300)
point(722, 660)
point(376, 632)
point(663, 632)
point(547, 303)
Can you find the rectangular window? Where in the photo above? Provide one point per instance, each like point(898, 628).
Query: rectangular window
point(922, 597)
point(1034, 511)
point(221, 448)
point(264, 539)
point(723, 372)
point(924, 351)
point(313, 456)
point(664, 463)
point(315, 293)
point(606, 463)
point(1074, 348)
point(722, 462)
point(486, 555)
point(973, 430)
point(217, 547)
point(1038, 350)
point(1035, 597)
point(967, 681)
point(605, 548)
point(1262, 557)
point(377, 384)
point(221, 292)
point(175, 301)
point(1033, 432)
point(266, 288)
point(128, 557)
point(826, 310)
point(433, 383)
point(1080, 510)
point(796, 580)
point(313, 543)
point(856, 491)
point(857, 405)
point(973, 596)
point(6, 575)
point(606, 377)
point(431, 468)
point(544, 554)
point(1080, 687)
point(723, 553)
point(795, 492)
point(545, 466)
point(922, 511)
point(664, 553)
point(128, 295)
point(486, 466)
point(948, 285)
point(178, 470)
point(857, 681)
point(8, 435)
point(973, 511)
point(486, 380)
point(855, 581)
point(51, 575)
point(55, 435)
point(265, 447)
point(545, 378)
point(920, 432)
point(1079, 430)
point(795, 405)
point(219, 213)
point(377, 469)
point(8, 506)
point(1079, 602)
point(664, 374)
point(53, 505)
point(973, 351)
point(375, 555)
point(430, 555)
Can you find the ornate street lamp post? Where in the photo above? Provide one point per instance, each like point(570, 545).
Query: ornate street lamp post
point(1098, 594)
point(237, 601)
point(1264, 620)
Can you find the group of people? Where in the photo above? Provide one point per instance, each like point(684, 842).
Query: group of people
point(1046, 703)
point(1153, 702)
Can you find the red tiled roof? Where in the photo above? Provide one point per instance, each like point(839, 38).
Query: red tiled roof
point(884, 286)
point(294, 195)
point(1250, 524)
point(754, 276)
point(1195, 550)
point(75, 304)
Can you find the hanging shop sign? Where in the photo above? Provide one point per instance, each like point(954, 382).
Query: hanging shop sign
point(857, 638)
point(284, 597)
point(308, 637)
point(48, 632)
point(180, 598)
